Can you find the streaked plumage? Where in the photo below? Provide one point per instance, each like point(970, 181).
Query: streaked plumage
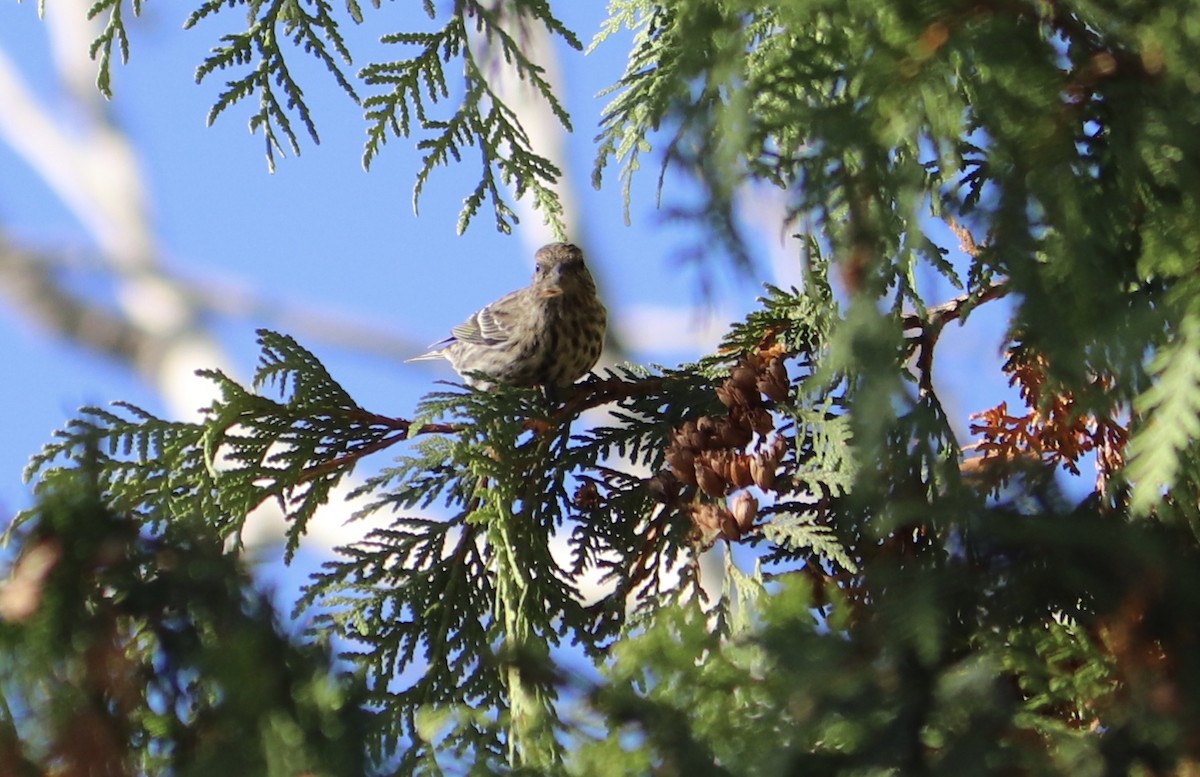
point(549, 333)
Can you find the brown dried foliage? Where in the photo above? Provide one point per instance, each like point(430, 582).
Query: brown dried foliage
point(1052, 430)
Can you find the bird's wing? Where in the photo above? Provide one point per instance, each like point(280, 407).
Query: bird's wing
point(492, 325)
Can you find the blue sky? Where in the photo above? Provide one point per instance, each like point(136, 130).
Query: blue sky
point(319, 235)
point(322, 238)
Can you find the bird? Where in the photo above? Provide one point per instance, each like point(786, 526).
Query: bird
point(548, 334)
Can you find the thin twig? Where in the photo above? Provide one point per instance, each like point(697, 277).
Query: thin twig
point(935, 319)
point(584, 396)
point(601, 391)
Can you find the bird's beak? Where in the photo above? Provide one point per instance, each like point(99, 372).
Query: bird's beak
point(554, 291)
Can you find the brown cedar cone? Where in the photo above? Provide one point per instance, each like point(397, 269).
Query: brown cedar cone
point(760, 420)
point(742, 387)
point(709, 480)
point(738, 470)
point(732, 433)
point(744, 510)
point(773, 381)
point(762, 472)
point(709, 518)
point(664, 486)
point(587, 496)
point(766, 461)
point(682, 462)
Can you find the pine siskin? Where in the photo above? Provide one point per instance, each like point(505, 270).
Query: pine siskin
point(547, 334)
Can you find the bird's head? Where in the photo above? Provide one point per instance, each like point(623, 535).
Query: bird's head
point(559, 269)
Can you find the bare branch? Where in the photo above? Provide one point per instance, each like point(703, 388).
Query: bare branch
point(935, 320)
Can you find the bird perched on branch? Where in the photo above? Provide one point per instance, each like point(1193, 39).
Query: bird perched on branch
point(547, 334)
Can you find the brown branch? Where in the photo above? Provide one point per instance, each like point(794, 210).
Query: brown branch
point(402, 427)
point(935, 319)
point(583, 396)
point(597, 391)
point(337, 462)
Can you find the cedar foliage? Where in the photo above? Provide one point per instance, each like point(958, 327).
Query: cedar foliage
point(894, 599)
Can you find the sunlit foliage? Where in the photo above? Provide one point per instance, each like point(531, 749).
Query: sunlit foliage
point(788, 557)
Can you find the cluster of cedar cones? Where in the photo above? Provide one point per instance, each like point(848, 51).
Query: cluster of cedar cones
point(722, 456)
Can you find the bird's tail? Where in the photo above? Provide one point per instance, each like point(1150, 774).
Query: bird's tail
point(438, 351)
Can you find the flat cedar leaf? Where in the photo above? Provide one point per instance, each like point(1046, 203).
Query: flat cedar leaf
point(1171, 412)
point(800, 532)
point(534, 591)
